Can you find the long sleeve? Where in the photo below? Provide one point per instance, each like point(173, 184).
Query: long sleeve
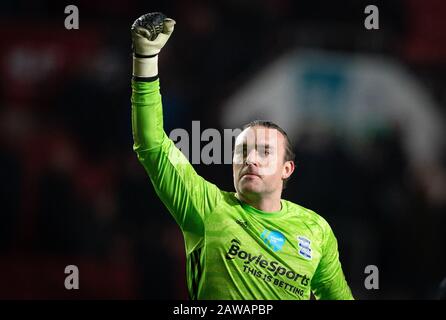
point(187, 196)
point(329, 282)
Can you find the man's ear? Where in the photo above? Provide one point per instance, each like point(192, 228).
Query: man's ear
point(288, 169)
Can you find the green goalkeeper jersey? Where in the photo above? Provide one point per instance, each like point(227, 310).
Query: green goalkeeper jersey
point(233, 250)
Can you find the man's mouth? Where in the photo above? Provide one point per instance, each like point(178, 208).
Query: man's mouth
point(250, 175)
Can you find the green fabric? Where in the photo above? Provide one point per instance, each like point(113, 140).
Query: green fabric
point(234, 251)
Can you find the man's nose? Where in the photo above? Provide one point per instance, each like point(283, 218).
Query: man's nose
point(252, 158)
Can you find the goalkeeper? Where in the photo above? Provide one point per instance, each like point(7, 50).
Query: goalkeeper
point(247, 244)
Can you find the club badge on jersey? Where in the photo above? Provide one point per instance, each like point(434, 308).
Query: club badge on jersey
point(304, 247)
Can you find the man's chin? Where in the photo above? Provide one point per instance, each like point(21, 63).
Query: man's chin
point(249, 187)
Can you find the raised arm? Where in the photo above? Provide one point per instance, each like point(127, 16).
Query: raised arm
point(187, 195)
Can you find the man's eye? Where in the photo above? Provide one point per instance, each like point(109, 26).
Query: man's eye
point(241, 150)
point(264, 151)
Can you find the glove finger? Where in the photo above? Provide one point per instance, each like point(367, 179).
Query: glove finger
point(168, 26)
point(142, 32)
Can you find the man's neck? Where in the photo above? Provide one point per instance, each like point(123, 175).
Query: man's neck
point(267, 204)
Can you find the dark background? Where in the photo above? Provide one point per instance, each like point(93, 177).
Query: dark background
point(73, 192)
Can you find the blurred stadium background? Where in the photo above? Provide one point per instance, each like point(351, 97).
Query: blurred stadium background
point(366, 111)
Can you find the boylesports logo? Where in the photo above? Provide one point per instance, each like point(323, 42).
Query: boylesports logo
point(273, 266)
